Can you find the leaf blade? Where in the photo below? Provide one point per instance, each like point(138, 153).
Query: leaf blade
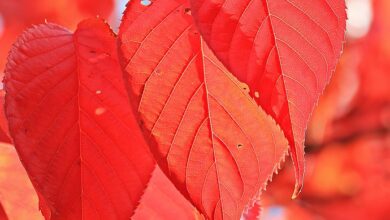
point(72, 123)
point(187, 101)
point(284, 50)
point(3, 215)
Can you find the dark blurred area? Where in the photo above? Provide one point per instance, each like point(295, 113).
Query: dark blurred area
point(348, 139)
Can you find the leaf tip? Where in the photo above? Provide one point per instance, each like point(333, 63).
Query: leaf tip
point(297, 156)
point(297, 190)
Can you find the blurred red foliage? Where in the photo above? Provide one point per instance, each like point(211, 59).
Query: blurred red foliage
point(348, 141)
point(343, 181)
point(17, 15)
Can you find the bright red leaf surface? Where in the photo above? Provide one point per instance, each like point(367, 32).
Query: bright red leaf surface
point(208, 135)
point(17, 195)
point(3, 216)
point(162, 201)
point(285, 50)
point(72, 123)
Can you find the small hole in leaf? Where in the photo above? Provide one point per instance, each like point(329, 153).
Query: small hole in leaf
point(245, 87)
point(239, 146)
point(146, 2)
point(257, 94)
point(187, 11)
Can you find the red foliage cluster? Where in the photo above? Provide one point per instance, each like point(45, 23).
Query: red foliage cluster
point(190, 110)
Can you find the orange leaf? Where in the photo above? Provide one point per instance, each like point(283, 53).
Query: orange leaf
point(17, 195)
point(72, 123)
point(210, 138)
point(4, 132)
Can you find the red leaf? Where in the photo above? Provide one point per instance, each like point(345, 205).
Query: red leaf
point(3, 216)
point(162, 201)
point(72, 123)
point(210, 138)
point(17, 195)
point(285, 50)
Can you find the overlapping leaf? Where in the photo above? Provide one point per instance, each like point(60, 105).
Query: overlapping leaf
point(72, 123)
point(285, 50)
point(210, 138)
point(162, 201)
point(3, 215)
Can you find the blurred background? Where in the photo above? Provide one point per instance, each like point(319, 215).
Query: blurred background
point(348, 139)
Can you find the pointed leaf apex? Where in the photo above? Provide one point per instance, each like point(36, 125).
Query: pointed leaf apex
point(298, 189)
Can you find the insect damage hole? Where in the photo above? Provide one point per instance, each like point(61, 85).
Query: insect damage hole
point(187, 11)
point(146, 2)
point(239, 145)
point(158, 72)
point(244, 87)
